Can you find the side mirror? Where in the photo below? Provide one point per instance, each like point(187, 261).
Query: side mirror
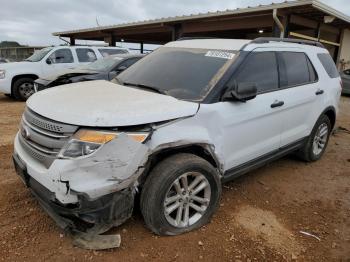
point(48, 61)
point(121, 69)
point(112, 74)
point(241, 92)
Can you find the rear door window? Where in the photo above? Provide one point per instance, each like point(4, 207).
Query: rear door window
point(86, 55)
point(259, 68)
point(295, 69)
point(312, 71)
point(61, 56)
point(328, 65)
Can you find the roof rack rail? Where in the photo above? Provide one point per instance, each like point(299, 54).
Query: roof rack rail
point(262, 40)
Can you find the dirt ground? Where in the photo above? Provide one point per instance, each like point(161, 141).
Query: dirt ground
point(260, 216)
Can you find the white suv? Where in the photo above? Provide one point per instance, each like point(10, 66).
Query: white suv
point(176, 125)
point(17, 79)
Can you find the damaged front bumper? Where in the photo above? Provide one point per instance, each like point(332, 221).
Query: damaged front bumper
point(85, 215)
point(90, 194)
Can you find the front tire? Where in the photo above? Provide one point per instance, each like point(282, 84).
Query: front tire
point(23, 88)
point(317, 141)
point(181, 194)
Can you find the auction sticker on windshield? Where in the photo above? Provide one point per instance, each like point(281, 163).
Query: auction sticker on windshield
point(220, 54)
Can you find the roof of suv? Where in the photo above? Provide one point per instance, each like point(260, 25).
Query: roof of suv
point(219, 44)
point(239, 44)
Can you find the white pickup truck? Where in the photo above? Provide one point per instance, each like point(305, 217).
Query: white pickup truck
point(16, 79)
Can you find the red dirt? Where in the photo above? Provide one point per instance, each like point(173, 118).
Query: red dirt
point(259, 218)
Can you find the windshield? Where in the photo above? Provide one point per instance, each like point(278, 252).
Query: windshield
point(184, 73)
point(38, 55)
point(101, 65)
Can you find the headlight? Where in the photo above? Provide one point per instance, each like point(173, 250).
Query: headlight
point(2, 74)
point(86, 142)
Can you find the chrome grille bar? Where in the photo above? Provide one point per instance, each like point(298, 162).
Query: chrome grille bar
point(49, 134)
point(43, 138)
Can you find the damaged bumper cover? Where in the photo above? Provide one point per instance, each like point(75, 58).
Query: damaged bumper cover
point(90, 194)
point(85, 215)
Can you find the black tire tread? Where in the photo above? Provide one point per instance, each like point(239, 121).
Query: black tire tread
point(305, 153)
point(15, 92)
point(155, 181)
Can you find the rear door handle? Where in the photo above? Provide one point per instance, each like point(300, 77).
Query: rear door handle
point(277, 104)
point(319, 92)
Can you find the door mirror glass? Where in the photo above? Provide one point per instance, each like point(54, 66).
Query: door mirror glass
point(241, 92)
point(48, 61)
point(121, 68)
point(112, 74)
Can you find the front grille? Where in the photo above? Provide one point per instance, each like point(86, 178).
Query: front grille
point(47, 124)
point(43, 138)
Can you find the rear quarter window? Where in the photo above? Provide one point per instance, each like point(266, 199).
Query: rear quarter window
point(328, 64)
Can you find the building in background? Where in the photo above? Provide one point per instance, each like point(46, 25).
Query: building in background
point(18, 53)
point(305, 19)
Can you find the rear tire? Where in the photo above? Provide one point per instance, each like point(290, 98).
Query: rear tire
point(23, 88)
point(317, 141)
point(186, 181)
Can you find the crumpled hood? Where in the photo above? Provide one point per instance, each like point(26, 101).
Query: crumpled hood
point(105, 104)
point(66, 73)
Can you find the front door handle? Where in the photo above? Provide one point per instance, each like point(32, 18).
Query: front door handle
point(277, 104)
point(319, 92)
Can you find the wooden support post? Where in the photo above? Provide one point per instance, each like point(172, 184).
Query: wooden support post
point(286, 26)
point(110, 40)
point(176, 32)
point(72, 40)
point(141, 47)
point(318, 32)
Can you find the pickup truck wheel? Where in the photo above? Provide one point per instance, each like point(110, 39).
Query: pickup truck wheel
point(317, 141)
point(23, 88)
point(181, 194)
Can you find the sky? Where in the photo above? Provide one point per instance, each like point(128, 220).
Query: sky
point(32, 22)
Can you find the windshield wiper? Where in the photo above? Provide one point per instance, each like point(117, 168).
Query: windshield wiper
point(145, 87)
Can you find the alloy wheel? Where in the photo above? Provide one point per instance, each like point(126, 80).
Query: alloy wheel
point(320, 139)
point(26, 89)
point(187, 199)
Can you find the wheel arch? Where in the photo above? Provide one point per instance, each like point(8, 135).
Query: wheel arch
point(16, 77)
point(330, 112)
point(205, 151)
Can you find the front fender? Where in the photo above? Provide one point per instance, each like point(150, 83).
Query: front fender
point(185, 133)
